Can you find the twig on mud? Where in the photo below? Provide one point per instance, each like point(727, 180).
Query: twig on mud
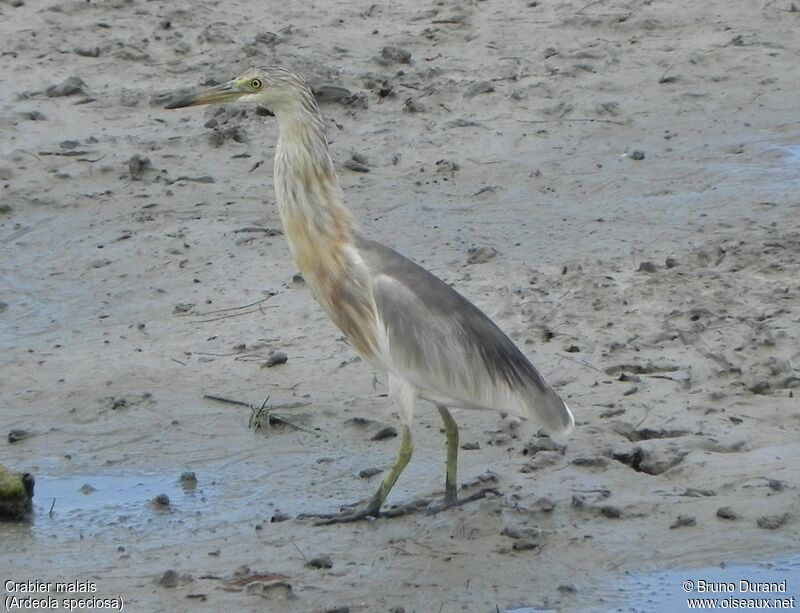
point(582, 363)
point(641, 421)
point(567, 119)
point(300, 551)
point(257, 304)
point(261, 415)
point(228, 316)
point(236, 308)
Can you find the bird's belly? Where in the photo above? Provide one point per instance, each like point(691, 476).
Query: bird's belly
point(451, 402)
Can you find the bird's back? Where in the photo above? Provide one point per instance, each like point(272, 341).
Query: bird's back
point(443, 344)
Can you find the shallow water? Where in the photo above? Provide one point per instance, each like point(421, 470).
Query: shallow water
point(93, 504)
point(672, 589)
point(775, 167)
point(103, 504)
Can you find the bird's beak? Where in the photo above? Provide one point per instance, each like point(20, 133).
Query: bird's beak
point(226, 92)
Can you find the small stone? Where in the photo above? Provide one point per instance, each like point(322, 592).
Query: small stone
point(590, 462)
point(183, 307)
point(356, 166)
point(188, 480)
point(413, 106)
point(647, 266)
point(87, 489)
point(369, 472)
point(524, 545)
point(33, 116)
point(727, 513)
point(512, 533)
point(541, 460)
point(447, 166)
point(481, 87)
point(772, 522)
point(775, 485)
point(69, 87)
point(610, 512)
point(542, 443)
point(129, 97)
point(683, 521)
point(323, 561)
point(16, 434)
point(544, 504)
point(138, 166)
point(471, 446)
point(670, 262)
point(161, 501)
point(567, 589)
point(87, 51)
point(391, 54)
point(384, 433)
point(169, 579)
point(278, 517)
point(275, 358)
point(273, 591)
point(637, 155)
point(480, 255)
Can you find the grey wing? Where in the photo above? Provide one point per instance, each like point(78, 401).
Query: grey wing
point(449, 349)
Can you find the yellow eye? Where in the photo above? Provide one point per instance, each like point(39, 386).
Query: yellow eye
point(255, 83)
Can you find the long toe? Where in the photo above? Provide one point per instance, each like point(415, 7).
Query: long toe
point(452, 501)
point(347, 516)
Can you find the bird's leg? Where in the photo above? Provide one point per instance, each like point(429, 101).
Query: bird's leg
point(374, 505)
point(403, 456)
point(451, 476)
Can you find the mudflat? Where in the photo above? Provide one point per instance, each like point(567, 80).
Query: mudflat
point(615, 184)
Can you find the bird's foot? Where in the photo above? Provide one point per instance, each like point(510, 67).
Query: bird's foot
point(351, 513)
point(357, 511)
point(451, 501)
point(346, 516)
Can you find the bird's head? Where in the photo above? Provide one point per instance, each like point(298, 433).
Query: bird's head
point(278, 89)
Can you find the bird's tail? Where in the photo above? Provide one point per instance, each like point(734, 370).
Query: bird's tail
point(551, 413)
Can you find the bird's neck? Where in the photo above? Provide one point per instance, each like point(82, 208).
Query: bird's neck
point(315, 219)
point(319, 227)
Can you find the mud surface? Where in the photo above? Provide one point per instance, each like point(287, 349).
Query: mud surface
point(615, 183)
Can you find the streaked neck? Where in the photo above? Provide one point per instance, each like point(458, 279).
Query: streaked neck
point(310, 200)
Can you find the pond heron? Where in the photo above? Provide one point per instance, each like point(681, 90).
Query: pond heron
point(432, 342)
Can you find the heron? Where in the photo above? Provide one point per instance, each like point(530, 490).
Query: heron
point(434, 344)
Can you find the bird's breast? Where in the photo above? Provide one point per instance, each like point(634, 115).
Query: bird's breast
point(339, 282)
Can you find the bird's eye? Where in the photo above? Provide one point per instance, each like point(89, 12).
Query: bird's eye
point(255, 83)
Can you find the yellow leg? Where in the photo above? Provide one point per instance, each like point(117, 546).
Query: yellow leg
point(451, 476)
point(403, 456)
point(373, 507)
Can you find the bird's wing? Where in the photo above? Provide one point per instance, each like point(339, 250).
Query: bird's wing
point(443, 344)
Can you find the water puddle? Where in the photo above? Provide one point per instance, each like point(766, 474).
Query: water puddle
point(672, 590)
point(111, 504)
point(92, 504)
point(121, 492)
point(776, 167)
